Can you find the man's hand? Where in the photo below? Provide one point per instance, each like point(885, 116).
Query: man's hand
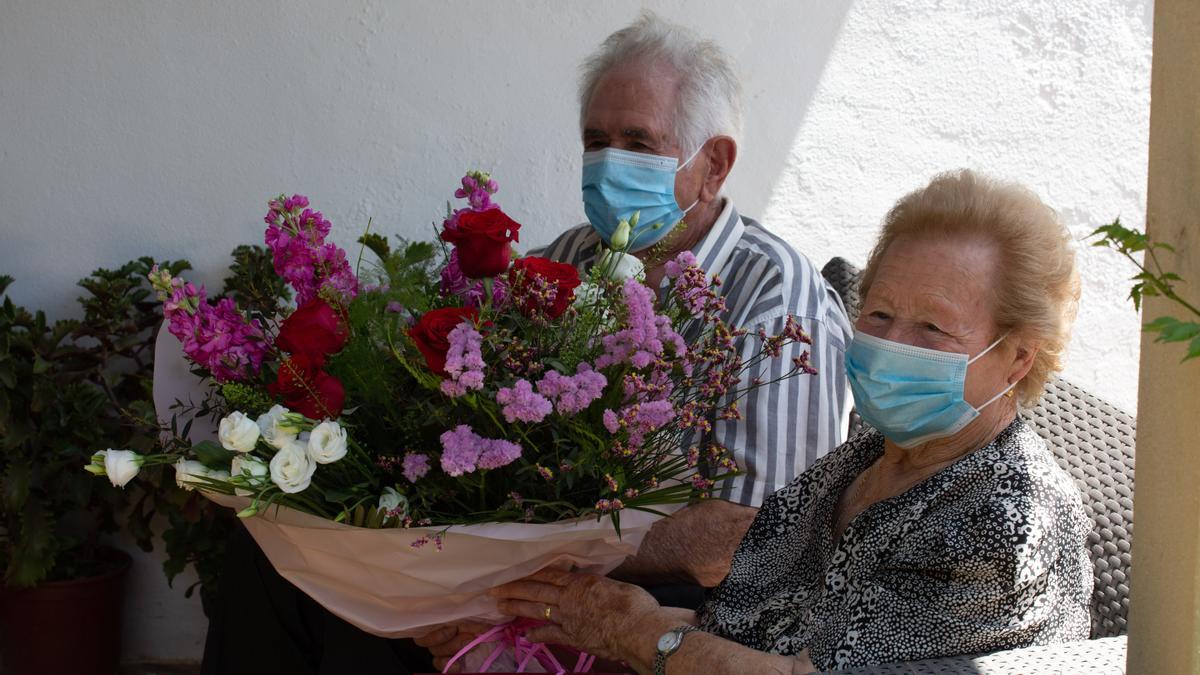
point(445, 641)
point(695, 545)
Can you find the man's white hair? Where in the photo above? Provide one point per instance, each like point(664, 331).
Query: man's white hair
point(709, 93)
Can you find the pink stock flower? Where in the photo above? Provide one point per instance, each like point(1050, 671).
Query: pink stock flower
point(296, 236)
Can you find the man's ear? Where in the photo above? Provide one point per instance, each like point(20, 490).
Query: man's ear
point(721, 152)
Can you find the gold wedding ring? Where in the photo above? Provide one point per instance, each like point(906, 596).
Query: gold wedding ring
point(547, 613)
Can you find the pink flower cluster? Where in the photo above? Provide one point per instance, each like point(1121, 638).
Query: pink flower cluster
point(464, 361)
point(646, 334)
point(218, 338)
point(571, 395)
point(640, 419)
point(692, 286)
point(296, 236)
point(522, 403)
point(463, 451)
point(416, 465)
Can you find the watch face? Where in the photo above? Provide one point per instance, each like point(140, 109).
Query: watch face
point(669, 642)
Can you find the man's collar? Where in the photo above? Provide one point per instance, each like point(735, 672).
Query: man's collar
point(711, 252)
point(716, 246)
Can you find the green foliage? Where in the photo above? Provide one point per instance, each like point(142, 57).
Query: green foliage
point(68, 389)
point(1153, 281)
point(253, 283)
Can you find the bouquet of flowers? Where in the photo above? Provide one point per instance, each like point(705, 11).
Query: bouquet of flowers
point(452, 401)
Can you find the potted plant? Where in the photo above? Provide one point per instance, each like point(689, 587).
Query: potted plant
point(65, 388)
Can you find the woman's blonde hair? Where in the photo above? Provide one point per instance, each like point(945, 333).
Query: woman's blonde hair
point(1037, 289)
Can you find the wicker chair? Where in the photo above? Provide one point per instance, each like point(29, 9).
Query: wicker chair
point(1094, 442)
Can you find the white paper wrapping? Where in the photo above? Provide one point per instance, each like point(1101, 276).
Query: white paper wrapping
point(376, 580)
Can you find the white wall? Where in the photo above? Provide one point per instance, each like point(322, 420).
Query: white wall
point(161, 128)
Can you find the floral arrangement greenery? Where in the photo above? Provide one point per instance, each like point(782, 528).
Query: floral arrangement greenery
point(449, 383)
point(1153, 280)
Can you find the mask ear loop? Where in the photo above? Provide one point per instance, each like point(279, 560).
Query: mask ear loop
point(681, 167)
point(1006, 389)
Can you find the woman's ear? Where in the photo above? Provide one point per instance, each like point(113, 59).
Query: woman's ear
point(1023, 356)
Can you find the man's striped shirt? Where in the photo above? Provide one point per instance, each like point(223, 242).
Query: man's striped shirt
point(785, 426)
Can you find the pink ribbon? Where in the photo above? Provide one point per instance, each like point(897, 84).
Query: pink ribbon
point(512, 636)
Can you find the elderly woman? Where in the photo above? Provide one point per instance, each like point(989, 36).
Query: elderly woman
point(946, 529)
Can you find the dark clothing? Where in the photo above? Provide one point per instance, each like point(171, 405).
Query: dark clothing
point(261, 625)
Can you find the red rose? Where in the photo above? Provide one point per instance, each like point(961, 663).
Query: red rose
point(481, 238)
point(562, 277)
point(431, 333)
point(307, 389)
point(314, 330)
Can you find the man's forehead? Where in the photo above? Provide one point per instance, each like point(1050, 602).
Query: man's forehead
point(632, 133)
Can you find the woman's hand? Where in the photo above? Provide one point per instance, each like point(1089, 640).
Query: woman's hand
point(445, 641)
point(592, 613)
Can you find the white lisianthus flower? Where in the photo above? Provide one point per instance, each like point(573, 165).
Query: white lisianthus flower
point(620, 266)
point(187, 471)
point(586, 294)
point(121, 465)
point(391, 500)
point(620, 238)
point(292, 468)
point(238, 432)
point(327, 443)
point(276, 428)
point(251, 470)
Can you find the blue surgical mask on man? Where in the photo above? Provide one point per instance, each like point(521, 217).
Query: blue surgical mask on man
point(618, 183)
point(912, 395)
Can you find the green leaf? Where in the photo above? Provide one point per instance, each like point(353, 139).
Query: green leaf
point(1170, 329)
point(212, 455)
point(377, 243)
point(34, 551)
point(1193, 349)
point(15, 489)
point(5, 280)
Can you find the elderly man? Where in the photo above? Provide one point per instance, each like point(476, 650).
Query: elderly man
point(660, 101)
point(660, 119)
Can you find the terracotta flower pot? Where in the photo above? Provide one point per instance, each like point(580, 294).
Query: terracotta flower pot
point(65, 626)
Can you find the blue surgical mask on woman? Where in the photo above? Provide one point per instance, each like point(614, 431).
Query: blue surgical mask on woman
point(910, 394)
point(618, 183)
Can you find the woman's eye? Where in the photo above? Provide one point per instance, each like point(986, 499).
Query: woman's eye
point(933, 328)
point(882, 316)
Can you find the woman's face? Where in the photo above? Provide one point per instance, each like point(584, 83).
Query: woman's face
point(939, 295)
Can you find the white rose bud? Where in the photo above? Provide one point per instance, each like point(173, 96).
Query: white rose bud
point(238, 433)
point(327, 443)
point(187, 471)
point(121, 466)
point(252, 470)
point(292, 468)
point(621, 266)
point(391, 500)
point(275, 428)
point(620, 238)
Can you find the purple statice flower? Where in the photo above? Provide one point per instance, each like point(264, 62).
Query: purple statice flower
point(691, 285)
point(415, 465)
point(394, 307)
point(464, 360)
point(573, 394)
point(499, 453)
point(674, 268)
point(296, 236)
point(640, 419)
point(461, 448)
point(216, 337)
point(522, 403)
point(642, 340)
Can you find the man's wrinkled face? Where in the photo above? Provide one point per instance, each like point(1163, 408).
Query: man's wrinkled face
point(633, 108)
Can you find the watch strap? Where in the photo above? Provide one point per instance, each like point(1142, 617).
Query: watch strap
point(660, 658)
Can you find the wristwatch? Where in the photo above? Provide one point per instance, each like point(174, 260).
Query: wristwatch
point(668, 644)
